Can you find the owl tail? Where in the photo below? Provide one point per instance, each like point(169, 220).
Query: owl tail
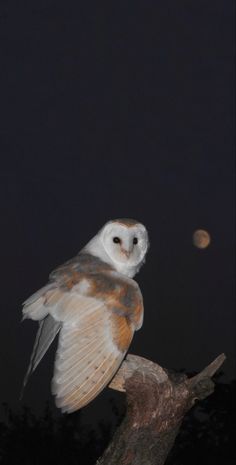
point(48, 329)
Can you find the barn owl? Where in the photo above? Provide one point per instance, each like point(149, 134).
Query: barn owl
point(95, 306)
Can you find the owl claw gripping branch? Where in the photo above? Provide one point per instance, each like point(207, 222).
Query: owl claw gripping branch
point(95, 306)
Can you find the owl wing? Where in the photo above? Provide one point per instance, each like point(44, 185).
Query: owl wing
point(95, 334)
point(47, 331)
point(92, 344)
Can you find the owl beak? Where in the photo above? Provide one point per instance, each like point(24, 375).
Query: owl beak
point(125, 252)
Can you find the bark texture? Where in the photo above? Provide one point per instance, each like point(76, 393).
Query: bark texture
point(157, 401)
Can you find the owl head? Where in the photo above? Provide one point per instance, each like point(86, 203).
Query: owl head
point(123, 243)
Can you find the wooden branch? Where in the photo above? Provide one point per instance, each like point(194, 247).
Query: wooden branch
point(157, 401)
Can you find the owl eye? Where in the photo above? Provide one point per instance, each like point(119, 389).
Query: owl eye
point(116, 240)
point(135, 240)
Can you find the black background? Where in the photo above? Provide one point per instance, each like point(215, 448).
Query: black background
point(119, 109)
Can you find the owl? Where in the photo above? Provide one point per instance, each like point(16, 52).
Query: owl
point(95, 305)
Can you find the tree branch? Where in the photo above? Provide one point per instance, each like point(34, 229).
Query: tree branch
point(157, 401)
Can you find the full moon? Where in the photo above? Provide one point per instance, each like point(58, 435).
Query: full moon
point(201, 238)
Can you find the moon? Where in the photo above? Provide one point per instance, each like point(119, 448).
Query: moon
point(201, 239)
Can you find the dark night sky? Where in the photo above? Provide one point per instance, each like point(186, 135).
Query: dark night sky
point(112, 110)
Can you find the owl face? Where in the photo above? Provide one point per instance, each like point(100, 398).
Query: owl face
point(125, 245)
point(121, 243)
